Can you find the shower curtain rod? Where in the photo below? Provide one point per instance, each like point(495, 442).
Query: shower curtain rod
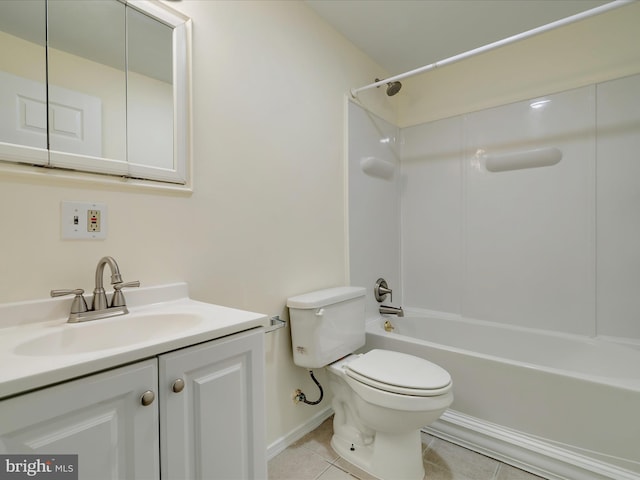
point(520, 36)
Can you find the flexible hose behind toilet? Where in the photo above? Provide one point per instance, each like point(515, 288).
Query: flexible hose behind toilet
point(301, 397)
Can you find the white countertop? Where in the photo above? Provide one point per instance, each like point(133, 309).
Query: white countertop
point(36, 322)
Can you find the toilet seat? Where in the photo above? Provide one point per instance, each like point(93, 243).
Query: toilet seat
point(399, 373)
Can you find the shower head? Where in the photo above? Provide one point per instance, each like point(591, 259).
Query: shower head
point(392, 87)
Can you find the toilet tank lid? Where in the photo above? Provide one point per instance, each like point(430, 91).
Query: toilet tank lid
point(328, 296)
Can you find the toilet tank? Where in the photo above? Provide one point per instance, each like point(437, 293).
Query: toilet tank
point(326, 325)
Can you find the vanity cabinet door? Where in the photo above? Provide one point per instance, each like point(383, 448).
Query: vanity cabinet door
point(212, 412)
point(100, 418)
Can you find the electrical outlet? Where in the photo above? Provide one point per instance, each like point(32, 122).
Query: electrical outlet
point(93, 220)
point(83, 221)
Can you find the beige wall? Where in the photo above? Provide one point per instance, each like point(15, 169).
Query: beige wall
point(267, 216)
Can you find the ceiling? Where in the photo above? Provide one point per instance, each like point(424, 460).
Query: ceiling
point(401, 35)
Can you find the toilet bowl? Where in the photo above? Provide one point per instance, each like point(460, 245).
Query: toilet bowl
point(381, 400)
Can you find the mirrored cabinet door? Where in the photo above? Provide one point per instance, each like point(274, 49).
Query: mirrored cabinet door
point(23, 109)
point(149, 93)
point(97, 86)
point(88, 85)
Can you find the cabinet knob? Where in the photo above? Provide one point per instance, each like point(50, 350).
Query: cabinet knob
point(178, 385)
point(147, 398)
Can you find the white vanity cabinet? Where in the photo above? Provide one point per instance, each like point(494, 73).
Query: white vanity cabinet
point(100, 418)
point(212, 413)
point(211, 427)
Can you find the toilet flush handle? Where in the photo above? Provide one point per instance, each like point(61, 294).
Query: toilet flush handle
point(319, 312)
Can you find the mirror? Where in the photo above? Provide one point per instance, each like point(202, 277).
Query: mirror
point(87, 85)
point(23, 93)
point(149, 91)
point(113, 100)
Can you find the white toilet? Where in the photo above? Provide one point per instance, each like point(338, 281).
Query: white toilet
point(381, 398)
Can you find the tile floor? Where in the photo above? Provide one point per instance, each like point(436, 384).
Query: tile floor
point(312, 458)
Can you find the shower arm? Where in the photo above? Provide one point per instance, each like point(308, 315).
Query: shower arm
point(514, 38)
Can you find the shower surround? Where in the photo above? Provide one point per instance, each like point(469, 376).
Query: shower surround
point(550, 249)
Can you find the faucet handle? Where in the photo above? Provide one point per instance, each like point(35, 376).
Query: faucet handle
point(118, 296)
point(381, 290)
point(79, 305)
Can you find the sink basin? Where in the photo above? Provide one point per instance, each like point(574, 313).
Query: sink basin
point(95, 335)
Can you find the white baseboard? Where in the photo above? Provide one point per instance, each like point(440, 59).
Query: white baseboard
point(523, 451)
point(296, 434)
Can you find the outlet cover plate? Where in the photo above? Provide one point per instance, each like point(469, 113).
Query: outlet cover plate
point(75, 221)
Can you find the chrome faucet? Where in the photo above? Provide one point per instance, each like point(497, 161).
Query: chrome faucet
point(381, 290)
point(99, 306)
point(389, 310)
point(99, 295)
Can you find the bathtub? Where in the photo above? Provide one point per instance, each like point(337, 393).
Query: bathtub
point(560, 406)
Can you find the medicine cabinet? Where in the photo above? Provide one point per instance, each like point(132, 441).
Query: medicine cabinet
point(98, 87)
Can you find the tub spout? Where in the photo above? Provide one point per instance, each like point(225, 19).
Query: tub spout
point(389, 310)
